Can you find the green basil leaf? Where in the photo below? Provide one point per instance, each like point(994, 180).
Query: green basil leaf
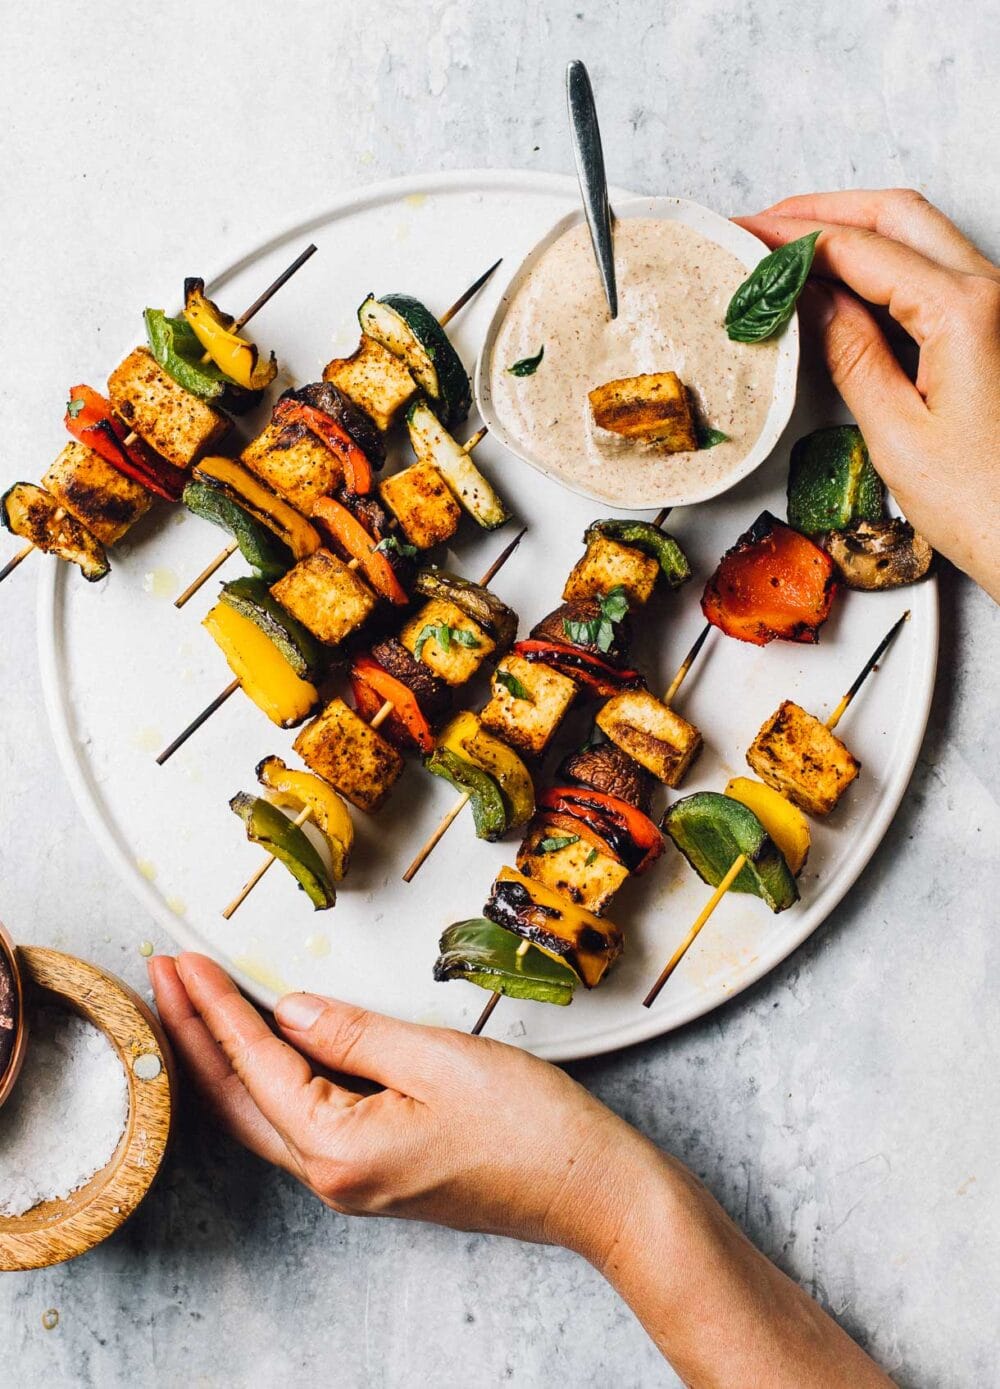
point(614, 603)
point(527, 366)
point(392, 545)
point(430, 630)
point(582, 633)
point(73, 408)
point(591, 858)
point(461, 637)
point(765, 301)
point(513, 685)
point(553, 843)
point(708, 438)
point(605, 635)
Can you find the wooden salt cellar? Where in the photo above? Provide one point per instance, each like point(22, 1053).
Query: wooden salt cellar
point(58, 1230)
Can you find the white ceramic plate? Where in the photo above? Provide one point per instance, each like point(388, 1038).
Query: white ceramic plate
point(123, 671)
point(747, 249)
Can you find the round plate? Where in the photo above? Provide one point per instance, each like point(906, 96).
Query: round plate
point(123, 672)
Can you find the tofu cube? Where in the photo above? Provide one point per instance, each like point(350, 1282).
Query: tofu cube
point(457, 663)
point(375, 379)
point(579, 871)
point(423, 504)
point(327, 597)
point(95, 493)
point(656, 737)
point(796, 754)
point(606, 563)
point(292, 462)
point(355, 759)
point(528, 724)
point(654, 407)
point(170, 419)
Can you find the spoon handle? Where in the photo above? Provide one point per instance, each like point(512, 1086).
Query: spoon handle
point(590, 168)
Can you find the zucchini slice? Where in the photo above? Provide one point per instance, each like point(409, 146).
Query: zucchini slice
point(34, 514)
point(487, 955)
point(432, 442)
point(410, 331)
point(832, 483)
point(712, 830)
point(252, 598)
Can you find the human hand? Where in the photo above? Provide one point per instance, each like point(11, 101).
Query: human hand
point(932, 441)
point(468, 1132)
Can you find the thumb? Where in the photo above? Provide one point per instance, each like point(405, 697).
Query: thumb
point(863, 367)
point(356, 1042)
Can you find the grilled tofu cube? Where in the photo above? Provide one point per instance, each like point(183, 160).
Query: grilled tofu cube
point(355, 759)
point(292, 462)
point(606, 563)
point(454, 663)
point(423, 504)
point(654, 407)
point(375, 379)
point(95, 493)
point(170, 419)
point(327, 597)
point(798, 755)
point(528, 724)
point(658, 739)
point(578, 871)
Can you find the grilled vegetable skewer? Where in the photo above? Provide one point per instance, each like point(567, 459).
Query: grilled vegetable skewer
point(380, 717)
point(87, 481)
point(727, 878)
point(398, 360)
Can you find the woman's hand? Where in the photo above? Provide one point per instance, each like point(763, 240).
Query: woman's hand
point(468, 1132)
point(933, 442)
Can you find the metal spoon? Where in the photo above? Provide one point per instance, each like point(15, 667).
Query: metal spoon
point(590, 169)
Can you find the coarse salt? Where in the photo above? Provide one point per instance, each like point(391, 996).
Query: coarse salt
point(67, 1113)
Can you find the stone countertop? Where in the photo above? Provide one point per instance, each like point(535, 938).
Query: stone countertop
point(844, 1110)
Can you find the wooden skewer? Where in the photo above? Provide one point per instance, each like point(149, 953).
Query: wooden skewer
point(252, 882)
point(739, 862)
point(197, 722)
point(241, 322)
point(445, 318)
point(484, 1016)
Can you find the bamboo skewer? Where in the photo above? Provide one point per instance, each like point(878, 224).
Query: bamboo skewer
point(386, 709)
point(445, 319)
point(241, 322)
point(738, 863)
point(376, 721)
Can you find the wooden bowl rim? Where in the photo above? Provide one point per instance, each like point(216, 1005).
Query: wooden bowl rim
point(58, 1230)
point(9, 1077)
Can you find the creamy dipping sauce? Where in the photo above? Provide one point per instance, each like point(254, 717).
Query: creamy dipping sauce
point(673, 289)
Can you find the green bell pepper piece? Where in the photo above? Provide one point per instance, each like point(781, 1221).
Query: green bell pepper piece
point(487, 955)
point(268, 556)
point(176, 349)
point(273, 831)
point(489, 810)
point(832, 483)
point(712, 830)
point(253, 598)
point(651, 541)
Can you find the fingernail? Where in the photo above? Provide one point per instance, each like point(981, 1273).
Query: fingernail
point(299, 1011)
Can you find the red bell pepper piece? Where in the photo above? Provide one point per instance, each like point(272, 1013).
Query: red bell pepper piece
point(773, 583)
point(357, 468)
point(90, 419)
point(367, 674)
point(631, 836)
point(352, 537)
point(599, 676)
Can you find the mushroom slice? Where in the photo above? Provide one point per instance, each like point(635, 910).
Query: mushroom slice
point(879, 554)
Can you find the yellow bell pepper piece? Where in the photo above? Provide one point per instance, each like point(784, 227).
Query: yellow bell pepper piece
point(466, 737)
point(292, 790)
point(260, 667)
point(236, 482)
point(784, 822)
point(237, 357)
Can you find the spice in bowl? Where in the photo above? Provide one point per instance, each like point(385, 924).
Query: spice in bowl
point(66, 1117)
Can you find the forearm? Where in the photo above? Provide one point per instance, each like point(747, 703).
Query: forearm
point(720, 1312)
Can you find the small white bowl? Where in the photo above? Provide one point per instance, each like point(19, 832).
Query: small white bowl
point(749, 250)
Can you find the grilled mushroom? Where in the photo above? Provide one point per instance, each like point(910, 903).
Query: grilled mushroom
point(879, 554)
point(325, 396)
point(607, 768)
point(579, 623)
point(432, 694)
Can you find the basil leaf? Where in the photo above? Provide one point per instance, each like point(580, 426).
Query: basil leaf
point(527, 366)
point(513, 685)
point(605, 635)
point(461, 637)
point(444, 636)
point(614, 603)
point(73, 408)
point(552, 843)
point(591, 858)
point(765, 301)
point(392, 545)
point(582, 633)
point(708, 438)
